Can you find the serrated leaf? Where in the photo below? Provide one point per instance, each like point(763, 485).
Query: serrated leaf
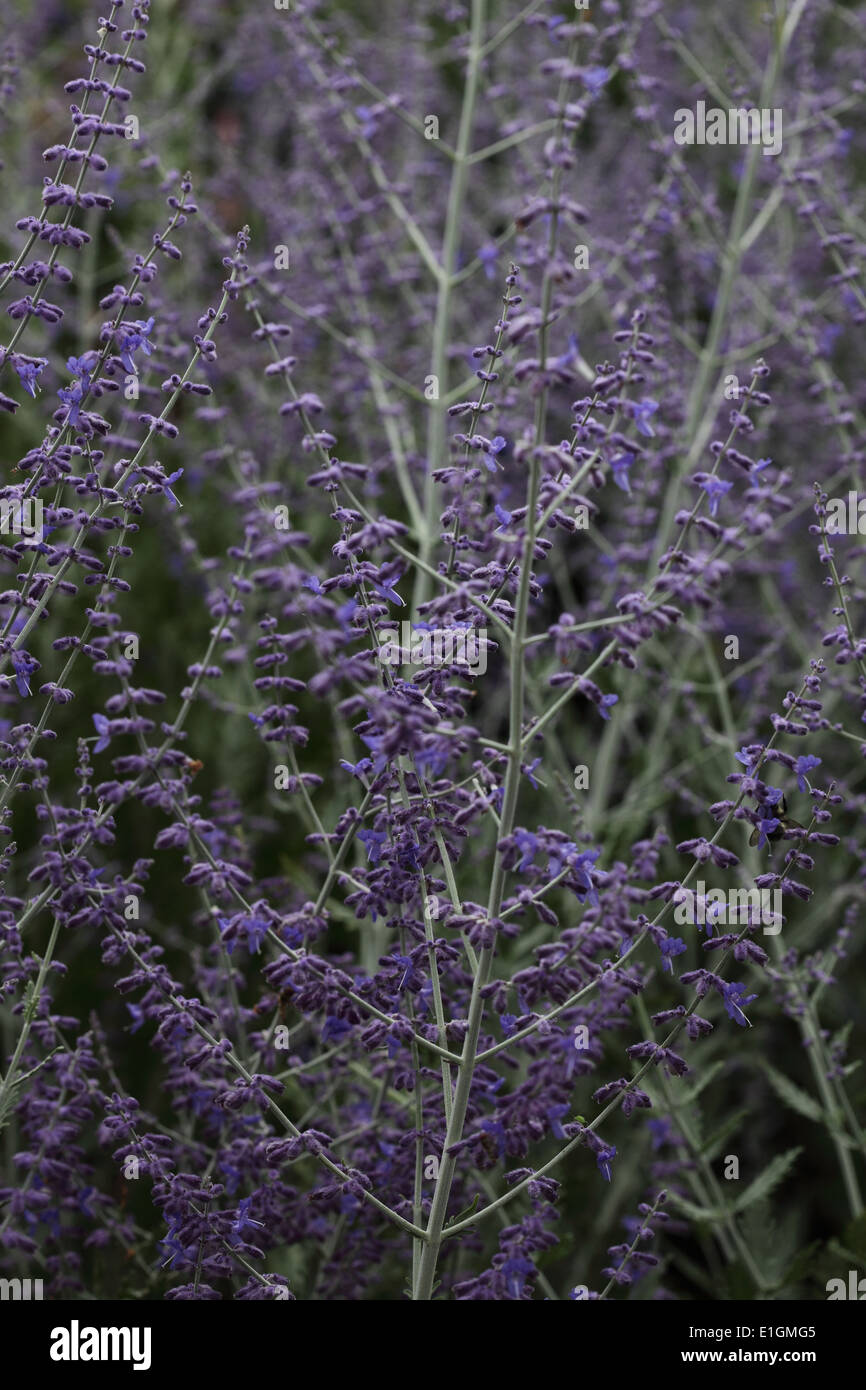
point(696, 1213)
point(800, 1267)
point(774, 1173)
point(461, 1215)
point(719, 1135)
point(409, 1292)
point(800, 1101)
point(772, 1238)
point(840, 1037)
point(793, 1096)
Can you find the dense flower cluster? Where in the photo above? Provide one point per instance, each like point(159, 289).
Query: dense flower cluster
point(326, 974)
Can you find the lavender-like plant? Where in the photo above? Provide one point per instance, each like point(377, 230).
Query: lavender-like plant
point(430, 655)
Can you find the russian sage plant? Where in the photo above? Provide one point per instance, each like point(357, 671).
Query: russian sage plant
point(432, 666)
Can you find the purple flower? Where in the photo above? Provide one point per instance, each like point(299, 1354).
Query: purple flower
point(495, 447)
point(103, 729)
point(335, 1029)
point(388, 592)
point(734, 999)
point(314, 893)
point(516, 1270)
point(571, 354)
point(359, 768)
point(72, 396)
point(670, 947)
point(603, 1160)
point(642, 412)
point(134, 341)
point(242, 1222)
point(22, 664)
point(715, 488)
point(619, 467)
point(28, 372)
point(82, 366)
point(749, 760)
point(527, 843)
point(488, 256)
point(805, 763)
point(766, 826)
point(596, 78)
point(529, 769)
point(172, 478)
point(373, 840)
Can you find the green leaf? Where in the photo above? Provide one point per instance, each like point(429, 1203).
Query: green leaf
point(793, 1096)
point(807, 1106)
point(714, 1141)
point(773, 1174)
point(854, 1236)
point(772, 1238)
point(739, 1283)
point(461, 1215)
point(800, 1268)
point(705, 1215)
point(840, 1037)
